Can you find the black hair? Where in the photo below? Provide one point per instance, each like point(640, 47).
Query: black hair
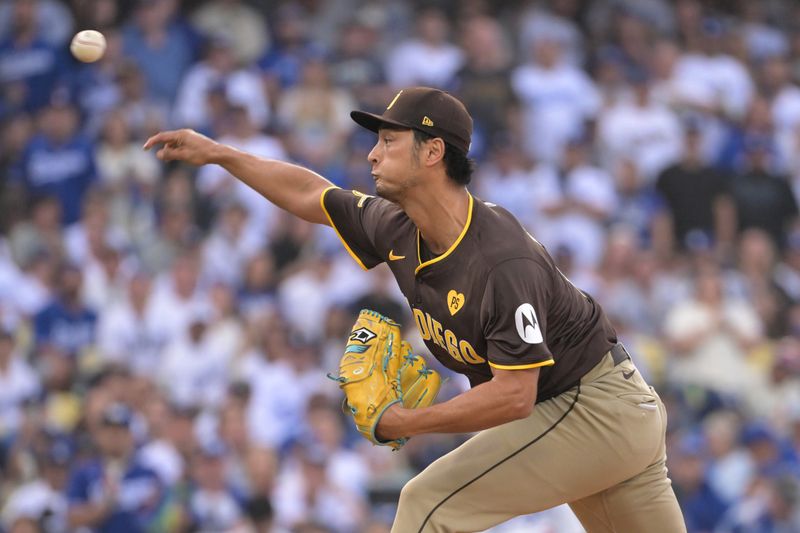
point(259, 509)
point(458, 166)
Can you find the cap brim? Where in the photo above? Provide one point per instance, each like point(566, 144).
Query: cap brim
point(374, 122)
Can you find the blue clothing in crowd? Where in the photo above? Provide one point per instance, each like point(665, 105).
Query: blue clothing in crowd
point(36, 65)
point(215, 511)
point(638, 211)
point(138, 500)
point(703, 508)
point(164, 66)
point(68, 330)
point(65, 171)
point(285, 64)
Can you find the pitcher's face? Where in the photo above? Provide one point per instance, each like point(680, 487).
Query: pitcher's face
point(395, 163)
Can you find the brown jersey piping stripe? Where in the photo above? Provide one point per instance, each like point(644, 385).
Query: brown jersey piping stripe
point(346, 246)
point(452, 246)
point(549, 362)
point(500, 462)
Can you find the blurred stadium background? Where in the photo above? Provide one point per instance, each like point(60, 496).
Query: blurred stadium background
point(167, 311)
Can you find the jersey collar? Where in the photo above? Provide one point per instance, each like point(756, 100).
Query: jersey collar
point(453, 246)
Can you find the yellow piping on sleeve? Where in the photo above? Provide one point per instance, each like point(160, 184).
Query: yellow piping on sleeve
point(549, 362)
point(344, 242)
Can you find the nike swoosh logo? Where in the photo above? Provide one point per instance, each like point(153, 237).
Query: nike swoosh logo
point(628, 375)
point(393, 257)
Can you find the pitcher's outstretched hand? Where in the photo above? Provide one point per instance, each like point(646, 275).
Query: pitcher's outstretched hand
point(183, 145)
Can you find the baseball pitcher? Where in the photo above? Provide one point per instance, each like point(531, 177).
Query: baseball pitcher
point(561, 413)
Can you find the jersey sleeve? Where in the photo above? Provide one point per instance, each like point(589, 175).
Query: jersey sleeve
point(514, 315)
point(357, 219)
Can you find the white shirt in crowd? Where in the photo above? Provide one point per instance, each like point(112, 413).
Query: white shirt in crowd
point(557, 102)
point(306, 296)
point(20, 295)
point(164, 459)
point(18, 382)
point(516, 190)
point(33, 501)
point(251, 37)
point(279, 396)
point(225, 255)
point(242, 87)
point(732, 474)
point(135, 341)
point(720, 78)
point(764, 40)
point(650, 136)
point(582, 234)
point(350, 470)
point(215, 510)
point(30, 295)
point(127, 164)
point(174, 312)
point(100, 289)
point(198, 372)
point(786, 118)
point(717, 362)
point(415, 62)
point(333, 504)
point(215, 181)
point(276, 403)
point(707, 82)
point(78, 249)
point(538, 24)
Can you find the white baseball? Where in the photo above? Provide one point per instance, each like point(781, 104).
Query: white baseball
point(88, 46)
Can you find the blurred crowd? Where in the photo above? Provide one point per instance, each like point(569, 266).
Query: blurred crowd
point(165, 332)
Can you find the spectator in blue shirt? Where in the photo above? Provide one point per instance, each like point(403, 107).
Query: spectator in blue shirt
point(283, 63)
point(67, 324)
point(702, 507)
point(772, 507)
point(113, 492)
point(757, 124)
point(29, 65)
point(161, 45)
point(771, 454)
point(59, 162)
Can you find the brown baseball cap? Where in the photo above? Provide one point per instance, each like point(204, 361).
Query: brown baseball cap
point(424, 109)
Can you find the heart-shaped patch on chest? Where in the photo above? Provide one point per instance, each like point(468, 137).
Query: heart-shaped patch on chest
point(455, 301)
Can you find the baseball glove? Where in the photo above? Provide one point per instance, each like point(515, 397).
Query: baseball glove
point(378, 370)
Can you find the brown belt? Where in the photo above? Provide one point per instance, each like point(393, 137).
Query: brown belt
point(618, 354)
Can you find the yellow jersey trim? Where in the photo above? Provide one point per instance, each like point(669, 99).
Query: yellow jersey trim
point(452, 246)
point(344, 242)
point(549, 362)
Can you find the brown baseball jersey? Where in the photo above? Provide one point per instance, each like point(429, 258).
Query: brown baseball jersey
point(494, 299)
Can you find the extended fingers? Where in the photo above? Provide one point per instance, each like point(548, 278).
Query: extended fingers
point(164, 137)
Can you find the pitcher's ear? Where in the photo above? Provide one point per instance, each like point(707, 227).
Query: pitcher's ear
point(434, 150)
